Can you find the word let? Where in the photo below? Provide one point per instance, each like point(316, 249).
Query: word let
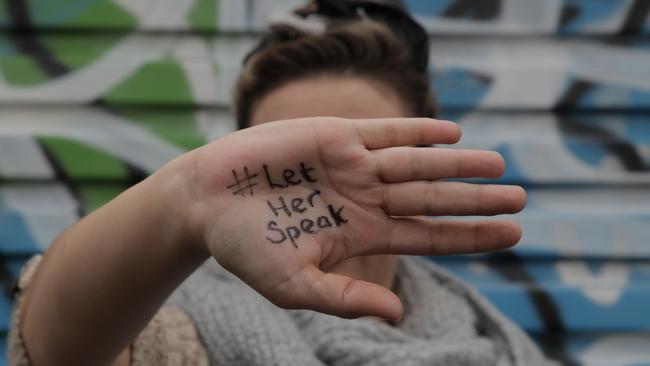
point(289, 177)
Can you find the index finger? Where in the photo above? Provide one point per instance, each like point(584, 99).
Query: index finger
point(381, 133)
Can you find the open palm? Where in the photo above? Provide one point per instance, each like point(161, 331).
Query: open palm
point(282, 202)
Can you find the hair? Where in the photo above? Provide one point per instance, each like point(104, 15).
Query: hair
point(360, 48)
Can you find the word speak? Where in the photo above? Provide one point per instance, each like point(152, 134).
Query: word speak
point(298, 206)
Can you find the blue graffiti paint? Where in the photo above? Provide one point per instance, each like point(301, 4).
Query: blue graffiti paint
point(458, 88)
point(56, 12)
point(515, 302)
point(591, 12)
point(6, 46)
point(5, 312)
point(512, 173)
point(15, 236)
point(590, 153)
point(612, 96)
point(431, 8)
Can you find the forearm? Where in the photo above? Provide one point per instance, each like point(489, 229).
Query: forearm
point(105, 277)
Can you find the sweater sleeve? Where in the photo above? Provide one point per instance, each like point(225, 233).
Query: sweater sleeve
point(170, 338)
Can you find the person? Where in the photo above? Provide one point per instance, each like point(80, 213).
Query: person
point(197, 263)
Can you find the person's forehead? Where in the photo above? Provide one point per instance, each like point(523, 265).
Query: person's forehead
point(347, 97)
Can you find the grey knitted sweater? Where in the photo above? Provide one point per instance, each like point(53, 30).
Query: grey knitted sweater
point(445, 323)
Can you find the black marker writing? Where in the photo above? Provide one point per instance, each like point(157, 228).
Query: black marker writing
point(307, 226)
point(289, 178)
point(273, 226)
point(269, 180)
point(278, 234)
point(246, 184)
point(296, 205)
point(336, 215)
point(295, 208)
point(276, 209)
point(304, 171)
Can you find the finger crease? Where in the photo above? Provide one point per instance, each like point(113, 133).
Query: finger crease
point(475, 246)
point(346, 246)
point(390, 132)
point(479, 199)
point(431, 193)
point(390, 237)
point(378, 166)
point(457, 162)
point(346, 290)
point(416, 163)
point(385, 198)
point(434, 234)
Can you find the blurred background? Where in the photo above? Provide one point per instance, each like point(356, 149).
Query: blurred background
point(97, 94)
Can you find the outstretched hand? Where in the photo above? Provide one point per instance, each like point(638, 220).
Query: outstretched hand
point(280, 203)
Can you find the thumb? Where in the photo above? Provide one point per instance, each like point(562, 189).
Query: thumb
point(346, 297)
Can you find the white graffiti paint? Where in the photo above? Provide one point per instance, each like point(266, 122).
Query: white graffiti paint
point(21, 158)
point(89, 83)
point(46, 208)
point(102, 130)
point(538, 148)
point(618, 350)
point(192, 54)
point(604, 287)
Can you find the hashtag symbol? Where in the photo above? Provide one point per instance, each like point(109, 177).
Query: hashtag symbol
point(244, 185)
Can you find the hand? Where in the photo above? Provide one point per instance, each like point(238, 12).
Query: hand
point(280, 203)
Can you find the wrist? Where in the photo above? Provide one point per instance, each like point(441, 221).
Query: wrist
point(178, 206)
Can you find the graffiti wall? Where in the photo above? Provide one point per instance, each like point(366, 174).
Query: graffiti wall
point(97, 94)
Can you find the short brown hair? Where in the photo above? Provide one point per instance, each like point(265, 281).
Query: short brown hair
point(363, 48)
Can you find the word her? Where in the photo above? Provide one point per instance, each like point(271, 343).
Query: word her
point(298, 206)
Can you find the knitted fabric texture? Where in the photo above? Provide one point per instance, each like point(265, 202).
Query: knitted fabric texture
point(445, 323)
point(17, 353)
point(168, 339)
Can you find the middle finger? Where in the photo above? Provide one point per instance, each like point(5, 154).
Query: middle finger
point(402, 164)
